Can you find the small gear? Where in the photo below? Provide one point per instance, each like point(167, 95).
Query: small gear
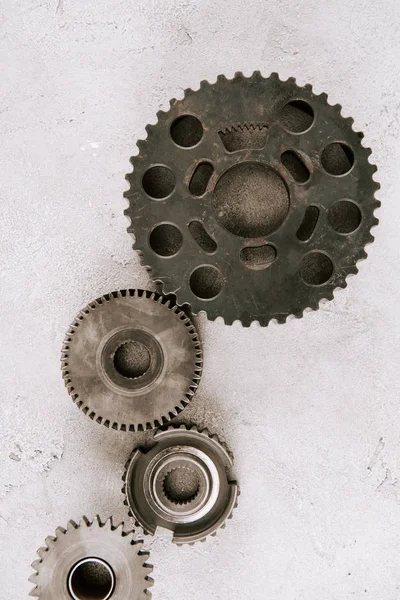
point(182, 483)
point(251, 199)
point(92, 560)
point(132, 360)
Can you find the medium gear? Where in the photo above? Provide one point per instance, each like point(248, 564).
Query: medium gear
point(92, 560)
point(252, 199)
point(132, 360)
point(182, 484)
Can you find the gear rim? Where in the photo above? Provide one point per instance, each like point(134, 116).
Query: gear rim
point(81, 542)
point(209, 508)
point(249, 307)
point(167, 322)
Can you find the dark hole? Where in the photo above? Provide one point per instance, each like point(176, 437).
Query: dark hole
point(132, 360)
point(296, 167)
point(243, 137)
point(181, 485)
point(206, 282)
point(200, 178)
point(158, 182)
point(308, 223)
point(250, 200)
point(186, 131)
point(91, 580)
point(166, 240)
point(344, 216)
point(297, 116)
point(316, 268)
point(258, 257)
point(202, 238)
point(337, 158)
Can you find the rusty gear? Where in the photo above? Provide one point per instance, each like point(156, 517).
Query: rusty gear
point(251, 199)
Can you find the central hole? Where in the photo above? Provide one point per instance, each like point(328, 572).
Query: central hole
point(91, 579)
point(181, 485)
point(250, 200)
point(132, 360)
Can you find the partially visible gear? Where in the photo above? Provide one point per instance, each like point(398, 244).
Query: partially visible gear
point(251, 199)
point(92, 560)
point(132, 360)
point(182, 483)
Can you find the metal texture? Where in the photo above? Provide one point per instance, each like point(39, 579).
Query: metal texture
point(182, 483)
point(92, 561)
point(219, 194)
point(116, 393)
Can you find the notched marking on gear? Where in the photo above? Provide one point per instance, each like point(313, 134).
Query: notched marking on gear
point(244, 136)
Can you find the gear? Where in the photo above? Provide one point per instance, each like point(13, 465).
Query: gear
point(181, 484)
point(92, 560)
point(132, 360)
point(252, 199)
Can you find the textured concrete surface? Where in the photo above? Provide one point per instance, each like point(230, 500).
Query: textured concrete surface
point(310, 409)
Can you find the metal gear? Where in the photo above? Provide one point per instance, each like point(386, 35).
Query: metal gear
point(132, 360)
point(251, 199)
point(92, 560)
point(182, 484)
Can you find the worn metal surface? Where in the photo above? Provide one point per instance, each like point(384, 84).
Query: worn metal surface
point(203, 495)
point(255, 213)
point(101, 544)
point(103, 391)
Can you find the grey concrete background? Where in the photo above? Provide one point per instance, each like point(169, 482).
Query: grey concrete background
point(310, 408)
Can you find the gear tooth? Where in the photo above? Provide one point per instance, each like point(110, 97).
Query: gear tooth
point(50, 541)
point(221, 79)
point(274, 76)
point(35, 566)
point(34, 592)
point(42, 552)
point(33, 579)
point(204, 84)
point(71, 525)
point(84, 522)
point(60, 531)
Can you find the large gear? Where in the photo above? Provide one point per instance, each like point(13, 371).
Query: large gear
point(182, 483)
point(252, 199)
point(92, 561)
point(132, 360)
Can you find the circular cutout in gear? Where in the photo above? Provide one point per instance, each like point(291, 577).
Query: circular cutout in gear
point(272, 150)
point(183, 484)
point(92, 561)
point(131, 360)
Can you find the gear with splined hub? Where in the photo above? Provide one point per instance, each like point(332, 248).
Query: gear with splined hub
point(252, 199)
point(183, 483)
point(92, 560)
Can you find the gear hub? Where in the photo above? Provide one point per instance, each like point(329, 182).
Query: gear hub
point(131, 360)
point(181, 484)
point(91, 561)
point(252, 199)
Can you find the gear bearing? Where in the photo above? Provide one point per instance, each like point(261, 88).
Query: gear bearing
point(131, 360)
point(91, 560)
point(182, 484)
point(252, 199)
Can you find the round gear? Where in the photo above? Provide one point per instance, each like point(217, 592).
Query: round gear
point(182, 484)
point(252, 199)
point(91, 561)
point(131, 360)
